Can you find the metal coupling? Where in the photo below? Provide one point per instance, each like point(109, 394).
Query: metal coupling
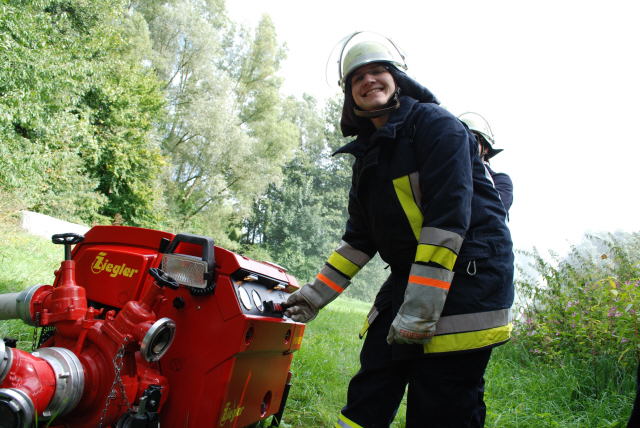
point(158, 339)
point(23, 304)
point(6, 359)
point(16, 408)
point(69, 375)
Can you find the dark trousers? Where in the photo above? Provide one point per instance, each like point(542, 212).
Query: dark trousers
point(443, 391)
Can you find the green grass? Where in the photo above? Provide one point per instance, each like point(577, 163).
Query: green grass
point(329, 357)
point(522, 391)
point(25, 260)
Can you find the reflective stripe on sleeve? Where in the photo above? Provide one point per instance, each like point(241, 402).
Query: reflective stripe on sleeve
point(329, 283)
point(343, 265)
point(430, 282)
point(441, 238)
point(334, 277)
point(441, 255)
point(323, 290)
point(319, 293)
point(344, 422)
point(347, 260)
point(357, 257)
point(402, 186)
point(430, 276)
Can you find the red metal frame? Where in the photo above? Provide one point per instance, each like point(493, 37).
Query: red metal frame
point(226, 367)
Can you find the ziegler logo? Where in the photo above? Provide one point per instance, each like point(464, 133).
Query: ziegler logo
point(229, 413)
point(101, 264)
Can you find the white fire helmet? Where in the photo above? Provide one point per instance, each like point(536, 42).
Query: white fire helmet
point(480, 125)
point(363, 47)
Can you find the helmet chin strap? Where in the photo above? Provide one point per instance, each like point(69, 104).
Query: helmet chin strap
point(393, 104)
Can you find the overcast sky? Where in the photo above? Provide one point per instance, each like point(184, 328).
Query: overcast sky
point(559, 81)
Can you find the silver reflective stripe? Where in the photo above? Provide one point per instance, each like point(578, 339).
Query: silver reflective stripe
point(372, 315)
point(357, 257)
point(431, 272)
point(441, 238)
point(422, 306)
point(473, 322)
point(488, 174)
point(414, 180)
point(318, 293)
point(343, 424)
point(334, 276)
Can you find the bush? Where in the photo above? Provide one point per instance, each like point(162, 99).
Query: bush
point(585, 306)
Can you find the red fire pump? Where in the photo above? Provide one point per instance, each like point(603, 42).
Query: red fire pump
point(143, 328)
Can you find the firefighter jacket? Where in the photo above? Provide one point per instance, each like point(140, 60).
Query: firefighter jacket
point(421, 198)
point(503, 185)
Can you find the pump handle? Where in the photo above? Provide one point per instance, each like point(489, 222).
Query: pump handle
point(208, 255)
point(66, 239)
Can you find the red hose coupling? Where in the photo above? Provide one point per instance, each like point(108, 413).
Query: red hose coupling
point(49, 382)
point(154, 336)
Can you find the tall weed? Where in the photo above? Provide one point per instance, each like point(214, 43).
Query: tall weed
point(585, 307)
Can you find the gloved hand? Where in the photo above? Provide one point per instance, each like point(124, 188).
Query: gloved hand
point(424, 299)
point(299, 308)
point(407, 329)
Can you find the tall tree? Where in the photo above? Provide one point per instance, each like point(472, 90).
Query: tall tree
point(299, 222)
point(71, 96)
point(225, 131)
point(295, 221)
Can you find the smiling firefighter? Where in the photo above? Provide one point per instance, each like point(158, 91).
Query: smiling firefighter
point(421, 199)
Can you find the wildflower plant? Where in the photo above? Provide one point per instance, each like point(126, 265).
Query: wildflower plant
point(584, 306)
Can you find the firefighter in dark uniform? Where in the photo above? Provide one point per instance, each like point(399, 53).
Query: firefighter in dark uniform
point(480, 128)
point(421, 199)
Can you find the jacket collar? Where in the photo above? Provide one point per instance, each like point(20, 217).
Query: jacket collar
point(397, 119)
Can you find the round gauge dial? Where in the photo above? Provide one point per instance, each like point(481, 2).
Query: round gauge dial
point(257, 300)
point(244, 297)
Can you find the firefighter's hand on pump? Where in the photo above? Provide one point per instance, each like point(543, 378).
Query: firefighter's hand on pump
point(299, 308)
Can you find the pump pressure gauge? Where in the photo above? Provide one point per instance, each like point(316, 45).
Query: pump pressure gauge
point(244, 298)
point(257, 300)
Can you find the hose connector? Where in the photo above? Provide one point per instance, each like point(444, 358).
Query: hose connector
point(16, 408)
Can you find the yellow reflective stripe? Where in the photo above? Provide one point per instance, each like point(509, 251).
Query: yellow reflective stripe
point(432, 253)
point(364, 328)
point(468, 340)
point(344, 422)
point(402, 186)
point(344, 265)
point(371, 316)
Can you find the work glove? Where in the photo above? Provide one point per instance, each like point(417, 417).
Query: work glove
point(408, 329)
point(416, 320)
point(299, 308)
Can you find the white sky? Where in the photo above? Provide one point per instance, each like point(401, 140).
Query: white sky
point(559, 81)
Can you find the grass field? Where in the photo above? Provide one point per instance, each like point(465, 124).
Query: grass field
point(25, 260)
point(521, 390)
